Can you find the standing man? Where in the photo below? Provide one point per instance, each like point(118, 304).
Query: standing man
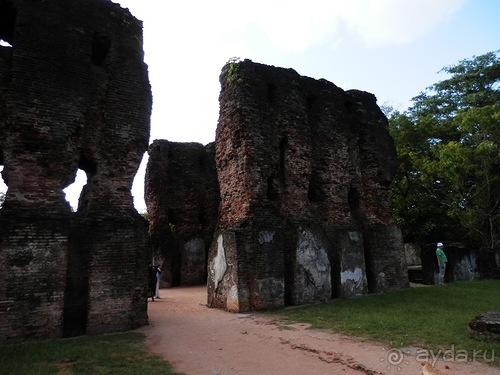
point(158, 278)
point(441, 258)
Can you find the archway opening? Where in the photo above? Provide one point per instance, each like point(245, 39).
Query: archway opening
point(74, 190)
point(3, 188)
point(76, 299)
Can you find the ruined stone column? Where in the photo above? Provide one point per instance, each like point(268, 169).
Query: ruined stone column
point(293, 163)
point(74, 94)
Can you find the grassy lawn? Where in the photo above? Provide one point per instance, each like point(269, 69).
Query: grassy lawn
point(106, 354)
point(433, 318)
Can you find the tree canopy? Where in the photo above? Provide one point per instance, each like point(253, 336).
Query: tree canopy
point(448, 143)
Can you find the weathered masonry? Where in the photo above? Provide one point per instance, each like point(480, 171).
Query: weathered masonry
point(74, 94)
point(182, 196)
point(304, 170)
point(289, 206)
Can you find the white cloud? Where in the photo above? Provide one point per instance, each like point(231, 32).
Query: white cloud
point(395, 21)
point(196, 28)
point(293, 25)
point(298, 25)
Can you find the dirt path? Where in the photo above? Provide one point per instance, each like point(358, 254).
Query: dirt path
point(197, 340)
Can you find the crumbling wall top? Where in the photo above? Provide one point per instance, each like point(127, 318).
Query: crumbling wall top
point(77, 95)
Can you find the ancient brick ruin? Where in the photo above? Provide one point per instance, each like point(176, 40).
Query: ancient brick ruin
point(74, 94)
point(289, 206)
point(304, 170)
point(182, 196)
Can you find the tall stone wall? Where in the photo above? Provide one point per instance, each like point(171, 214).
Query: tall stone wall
point(304, 170)
point(74, 94)
point(182, 196)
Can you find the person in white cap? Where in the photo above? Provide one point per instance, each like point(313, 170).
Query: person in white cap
point(442, 260)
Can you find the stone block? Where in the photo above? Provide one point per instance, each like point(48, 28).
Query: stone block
point(486, 326)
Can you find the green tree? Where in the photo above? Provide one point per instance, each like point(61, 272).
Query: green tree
point(448, 144)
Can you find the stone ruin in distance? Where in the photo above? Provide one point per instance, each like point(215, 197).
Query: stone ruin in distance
point(300, 173)
point(290, 205)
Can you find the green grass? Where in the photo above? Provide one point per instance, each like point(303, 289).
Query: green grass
point(106, 354)
point(428, 317)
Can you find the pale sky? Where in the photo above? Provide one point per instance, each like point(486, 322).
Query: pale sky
point(391, 48)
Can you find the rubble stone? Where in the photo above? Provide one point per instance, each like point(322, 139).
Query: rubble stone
point(486, 327)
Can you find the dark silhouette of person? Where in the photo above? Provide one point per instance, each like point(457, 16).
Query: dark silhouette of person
point(152, 281)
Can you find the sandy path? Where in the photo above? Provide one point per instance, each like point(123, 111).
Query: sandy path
point(197, 340)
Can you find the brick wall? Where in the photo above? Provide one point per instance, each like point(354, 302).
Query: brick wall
point(304, 170)
point(182, 196)
point(75, 94)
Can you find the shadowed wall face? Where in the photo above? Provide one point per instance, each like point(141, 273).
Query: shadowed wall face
point(75, 94)
point(304, 170)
